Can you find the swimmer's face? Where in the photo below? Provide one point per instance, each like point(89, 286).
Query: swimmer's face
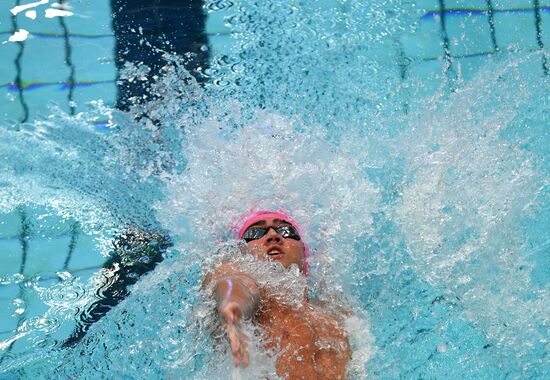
point(273, 246)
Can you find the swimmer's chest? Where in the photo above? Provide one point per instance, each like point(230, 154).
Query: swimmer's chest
point(305, 340)
point(285, 326)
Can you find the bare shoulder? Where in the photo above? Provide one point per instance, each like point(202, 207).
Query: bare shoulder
point(222, 270)
point(329, 321)
point(225, 270)
point(334, 351)
point(331, 311)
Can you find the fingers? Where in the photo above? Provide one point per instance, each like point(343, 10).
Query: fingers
point(238, 342)
point(231, 313)
point(232, 334)
point(243, 349)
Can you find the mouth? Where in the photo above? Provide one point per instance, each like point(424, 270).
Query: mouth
point(274, 252)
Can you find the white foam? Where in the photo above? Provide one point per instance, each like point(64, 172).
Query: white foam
point(270, 163)
point(31, 14)
point(61, 5)
point(20, 8)
point(362, 345)
point(51, 13)
point(18, 36)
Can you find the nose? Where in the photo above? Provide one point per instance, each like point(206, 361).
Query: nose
point(272, 235)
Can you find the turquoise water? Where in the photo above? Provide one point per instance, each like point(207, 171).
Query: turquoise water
point(415, 157)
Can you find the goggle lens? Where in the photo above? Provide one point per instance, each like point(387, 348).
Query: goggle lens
point(255, 233)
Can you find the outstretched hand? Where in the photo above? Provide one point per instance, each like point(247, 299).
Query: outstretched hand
point(231, 314)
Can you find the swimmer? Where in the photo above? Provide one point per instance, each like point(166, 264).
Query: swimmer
point(309, 341)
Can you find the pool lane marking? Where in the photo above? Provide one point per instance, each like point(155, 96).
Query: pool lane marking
point(403, 63)
point(69, 63)
point(472, 55)
point(481, 11)
point(540, 43)
point(448, 65)
point(24, 240)
point(7, 345)
point(57, 35)
point(28, 86)
point(491, 21)
point(75, 232)
point(95, 36)
point(17, 62)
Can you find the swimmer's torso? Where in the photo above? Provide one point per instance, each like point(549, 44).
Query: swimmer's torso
point(309, 343)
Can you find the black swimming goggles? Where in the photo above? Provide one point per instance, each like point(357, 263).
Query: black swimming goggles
point(286, 231)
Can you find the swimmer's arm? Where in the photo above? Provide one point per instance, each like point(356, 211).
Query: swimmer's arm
point(233, 287)
point(237, 296)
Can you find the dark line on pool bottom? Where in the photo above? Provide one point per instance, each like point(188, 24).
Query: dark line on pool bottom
point(445, 39)
point(491, 21)
point(57, 36)
point(18, 70)
point(540, 43)
point(473, 55)
point(62, 85)
point(96, 36)
point(25, 235)
point(24, 240)
point(69, 63)
point(474, 11)
point(403, 63)
point(72, 245)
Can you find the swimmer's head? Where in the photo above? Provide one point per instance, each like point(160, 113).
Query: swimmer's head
point(273, 235)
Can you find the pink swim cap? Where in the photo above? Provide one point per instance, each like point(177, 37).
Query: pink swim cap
point(259, 215)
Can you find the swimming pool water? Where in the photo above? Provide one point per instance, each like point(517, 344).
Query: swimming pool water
point(410, 139)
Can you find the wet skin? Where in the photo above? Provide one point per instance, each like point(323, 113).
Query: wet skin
point(309, 342)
